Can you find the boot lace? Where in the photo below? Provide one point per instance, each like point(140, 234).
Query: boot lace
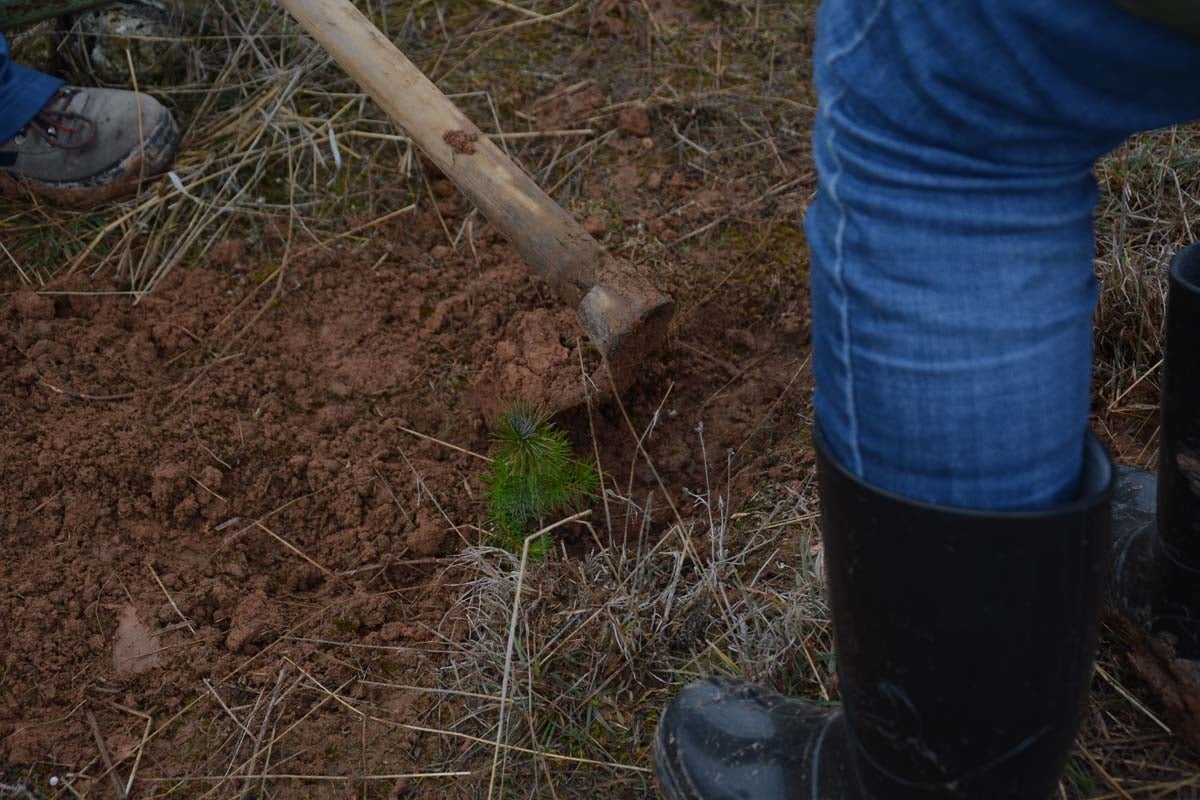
point(58, 127)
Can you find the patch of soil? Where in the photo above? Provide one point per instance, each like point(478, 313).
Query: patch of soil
point(210, 500)
point(135, 645)
point(567, 105)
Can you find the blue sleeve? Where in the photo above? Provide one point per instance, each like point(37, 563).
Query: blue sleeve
point(23, 92)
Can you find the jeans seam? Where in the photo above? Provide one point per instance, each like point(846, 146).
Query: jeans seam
point(843, 302)
point(858, 37)
point(839, 265)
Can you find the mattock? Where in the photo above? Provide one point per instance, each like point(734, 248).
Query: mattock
point(623, 315)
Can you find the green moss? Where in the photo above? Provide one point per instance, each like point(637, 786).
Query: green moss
point(47, 248)
point(777, 248)
point(261, 273)
point(390, 669)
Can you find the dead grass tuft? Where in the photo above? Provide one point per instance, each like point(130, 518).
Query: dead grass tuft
point(602, 642)
point(1150, 187)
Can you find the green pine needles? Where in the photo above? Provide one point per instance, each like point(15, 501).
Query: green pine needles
point(534, 476)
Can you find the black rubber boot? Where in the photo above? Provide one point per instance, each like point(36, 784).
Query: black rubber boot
point(1156, 565)
point(964, 644)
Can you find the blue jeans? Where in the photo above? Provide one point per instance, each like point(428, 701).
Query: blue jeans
point(23, 92)
point(951, 237)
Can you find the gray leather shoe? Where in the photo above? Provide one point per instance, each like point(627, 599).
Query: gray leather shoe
point(89, 145)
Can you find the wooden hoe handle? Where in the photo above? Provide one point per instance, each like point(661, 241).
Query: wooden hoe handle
point(617, 309)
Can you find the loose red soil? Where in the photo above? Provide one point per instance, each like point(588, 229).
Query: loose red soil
point(212, 487)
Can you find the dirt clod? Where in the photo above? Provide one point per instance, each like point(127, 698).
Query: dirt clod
point(634, 121)
point(627, 180)
point(228, 253)
point(426, 538)
point(135, 645)
point(461, 141)
point(30, 306)
point(249, 621)
point(595, 226)
point(567, 105)
point(535, 362)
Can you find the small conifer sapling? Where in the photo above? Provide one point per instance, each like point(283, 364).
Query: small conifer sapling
point(534, 476)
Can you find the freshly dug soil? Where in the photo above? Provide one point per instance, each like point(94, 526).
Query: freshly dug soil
point(210, 492)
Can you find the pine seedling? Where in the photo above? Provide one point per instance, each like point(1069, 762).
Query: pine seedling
point(534, 475)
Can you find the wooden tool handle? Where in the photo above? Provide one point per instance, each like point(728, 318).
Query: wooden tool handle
point(553, 243)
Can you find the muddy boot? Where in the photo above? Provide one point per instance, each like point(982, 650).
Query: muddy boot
point(89, 145)
point(1155, 583)
point(964, 644)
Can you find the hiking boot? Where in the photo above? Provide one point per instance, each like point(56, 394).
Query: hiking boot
point(89, 145)
point(965, 643)
point(1155, 581)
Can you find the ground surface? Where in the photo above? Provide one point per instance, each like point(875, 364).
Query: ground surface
point(236, 564)
point(171, 522)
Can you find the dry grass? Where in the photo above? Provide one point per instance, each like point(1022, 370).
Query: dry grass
point(1150, 188)
point(1149, 191)
point(283, 151)
point(603, 642)
point(276, 139)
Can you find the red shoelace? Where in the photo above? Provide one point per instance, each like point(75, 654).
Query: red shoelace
point(61, 128)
